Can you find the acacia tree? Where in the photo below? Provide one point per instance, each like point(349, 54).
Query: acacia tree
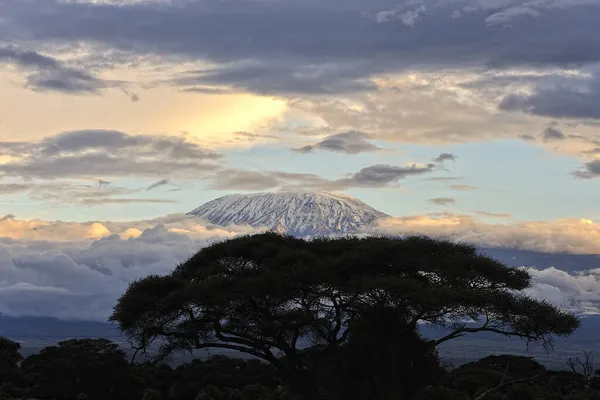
point(263, 294)
point(94, 369)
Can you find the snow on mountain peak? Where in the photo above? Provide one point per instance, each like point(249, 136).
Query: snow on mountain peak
point(295, 213)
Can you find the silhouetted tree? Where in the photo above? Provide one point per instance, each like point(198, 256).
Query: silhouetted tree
point(263, 294)
point(583, 365)
point(11, 377)
point(94, 368)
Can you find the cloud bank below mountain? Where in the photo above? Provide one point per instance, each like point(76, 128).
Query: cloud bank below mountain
point(78, 270)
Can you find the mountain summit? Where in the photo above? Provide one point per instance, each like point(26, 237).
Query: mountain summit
point(294, 213)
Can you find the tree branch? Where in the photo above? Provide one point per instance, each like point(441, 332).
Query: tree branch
point(484, 328)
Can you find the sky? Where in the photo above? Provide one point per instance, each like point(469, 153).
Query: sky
point(475, 119)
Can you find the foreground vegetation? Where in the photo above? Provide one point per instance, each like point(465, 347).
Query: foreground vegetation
point(96, 369)
point(323, 319)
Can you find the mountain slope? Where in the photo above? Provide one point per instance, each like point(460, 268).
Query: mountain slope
point(295, 213)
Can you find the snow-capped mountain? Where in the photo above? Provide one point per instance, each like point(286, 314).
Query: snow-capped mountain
point(294, 213)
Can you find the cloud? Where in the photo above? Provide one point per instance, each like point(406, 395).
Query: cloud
point(589, 170)
point(382, 175)
point(493, 215)
point(401, 110)
point(132, 96)
point(252, 137)
point(443, 178)
point(102, 182)
point(407, 17)
point(78, 270)
point(275, 77)
point(442, 201)
point(92, 153)
point(445, 157)
point(61, 192)
point(553, 133)
point(286, 57)
point(578, 291)
point(568, 235)
point(505, 17)
point(11, 188)
point(527, 137)
point(207, 90)
point(45, 73)
point(368, 177)
point(162, 182)
point(574, 97)
point(462, 187)
point(352, 142)
point(94, 202)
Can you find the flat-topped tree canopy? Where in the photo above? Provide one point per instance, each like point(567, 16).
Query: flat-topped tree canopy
point(260, 294)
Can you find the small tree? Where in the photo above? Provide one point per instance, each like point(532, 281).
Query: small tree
point(263, 294)
point(585, 364)
point(94, 368)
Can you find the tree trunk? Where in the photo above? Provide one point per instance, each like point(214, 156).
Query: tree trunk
point(302, 386)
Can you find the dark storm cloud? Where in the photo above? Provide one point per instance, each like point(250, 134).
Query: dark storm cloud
point(323, 46)
point(560, 97)
point(442, 201)
point(93, 153)
point(589, 170)
point(351, 142)
point(278, 77)
point(48, 74)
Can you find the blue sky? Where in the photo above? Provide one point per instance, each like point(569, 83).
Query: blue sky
point(507, 176)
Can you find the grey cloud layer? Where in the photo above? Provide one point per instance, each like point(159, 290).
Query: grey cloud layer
point(99, 153)
point(83, 279)
point(589, 170)
point(553, 133)
point(371, 176)
point(442, 201)
point(445, 157)
point(48, 74)
point(351, 142)
point(561, 97)
point(61, 192)
point(320, 46)
point(59, 271)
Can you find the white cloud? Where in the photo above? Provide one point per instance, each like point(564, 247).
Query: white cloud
point(574, 235)
point(407, 17)
point(78, 270)
point(578, 291)
point(504, 17)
